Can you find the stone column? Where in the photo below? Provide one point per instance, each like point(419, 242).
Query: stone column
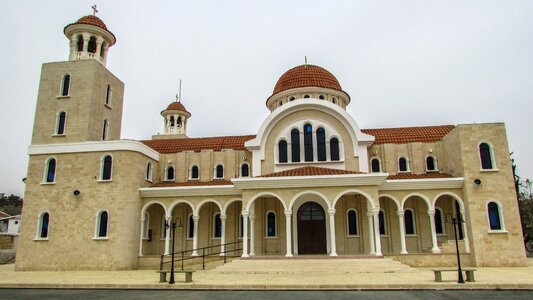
point(86, 38)
point(465, 234)
point(196, 220)
point(252, 235)
point(371, 232)
point(431, 214)
point(104, 59)
point(99, 42)
point(167, 235)
point(333, 245)
point(223, 235)
point(142, 236)
point(402, 231)
point(376, 232)
point(73, 47)
point(245, 215)
point(288, 232)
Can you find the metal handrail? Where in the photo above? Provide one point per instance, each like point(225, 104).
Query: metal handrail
point(180, 255)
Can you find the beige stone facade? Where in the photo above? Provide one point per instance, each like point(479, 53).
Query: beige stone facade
point(310, 182)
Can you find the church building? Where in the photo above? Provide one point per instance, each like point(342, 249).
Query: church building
point(311, 181)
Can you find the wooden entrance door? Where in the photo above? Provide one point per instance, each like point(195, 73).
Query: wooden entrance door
point(311, 229)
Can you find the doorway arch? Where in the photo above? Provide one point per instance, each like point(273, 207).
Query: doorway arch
point(312, 234)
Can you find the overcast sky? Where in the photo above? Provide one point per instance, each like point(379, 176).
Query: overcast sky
point(404, 63)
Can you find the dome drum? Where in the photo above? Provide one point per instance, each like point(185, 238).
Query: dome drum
point(339, 98)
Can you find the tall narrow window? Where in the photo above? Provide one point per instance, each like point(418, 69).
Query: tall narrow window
point(61, 118)
point(194, 172)
point(271, 224)
point(80, 43)
point(409, 222)
point(101, 224)
point(65, 85)
point(352, 222)
point(170, 173)
point(217, 226)
point(403, 166)
point(485, 155)
point(439, 226)
point(334, 149)
point(282, 151)
point(92, 45)
point(107, 167)
point(295, 145)
point(430, 164)
point(50, 173)
point(376, 166)
point(44, 221)
point(245, 170)
point(381, 219)
point(108, 94)
point(146, 226)
point(321, 144)
point(105, 130)
point(308, 142)
point(190, 231)
point(494, 216)
point(219, 171)
point(149, 171)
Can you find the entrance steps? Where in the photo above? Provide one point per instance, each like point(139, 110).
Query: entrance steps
point(312, 265)
point(151, 262)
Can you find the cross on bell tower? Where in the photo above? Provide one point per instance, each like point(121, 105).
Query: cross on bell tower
point(94, 10)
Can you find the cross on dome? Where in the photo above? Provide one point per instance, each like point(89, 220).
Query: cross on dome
point(94, 10)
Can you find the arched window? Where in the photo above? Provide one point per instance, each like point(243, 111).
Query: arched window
point(179, 122)
point(146, 226)
point(170, 173)
point(307, 96)
point(409, 220)
point(149, 171)
point(65, 85)
point(376, 165)
point(92, 45)
point(485, 156)
point(190, 230)
point(219, 171)
point(80, 43)
point(50, 170)
point(321, 144)
point(107, 167)
point(321, 97)
point(217, 226)
point(245, 170)
point(108, 94)
point(334, 100)
point(295, 145)
point(105, 130)
point(101, 224)
point(271, 224)
point(282, 151)
point(334, 149)
point(382, 226)
point(308, 142)
point(43, 226)
point(280, 103)
point(61, 119)
point(195, 173)
point(352, 222)
point(171, 121)
point(439, 225)
point(403, 165)
point(163, 230)
point(102, 50)
point(495, 220)
point(431, 163)
point(292, 99)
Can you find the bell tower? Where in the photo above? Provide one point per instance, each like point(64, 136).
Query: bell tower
point(175, 119)
point(80, 100)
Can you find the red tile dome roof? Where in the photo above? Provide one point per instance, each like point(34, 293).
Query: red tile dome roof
point(177, 106)
point(306, 76)
point(91, 20)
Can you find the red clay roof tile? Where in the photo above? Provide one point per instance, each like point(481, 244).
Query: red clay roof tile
point(306, 76)
point(419, 176)
point(177, 106)
point(198, 144)
point(423, 134)
point(193, 183)
point(310, 171)
point(91, 20)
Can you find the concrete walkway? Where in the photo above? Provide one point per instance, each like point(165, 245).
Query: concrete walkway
point(419, 278)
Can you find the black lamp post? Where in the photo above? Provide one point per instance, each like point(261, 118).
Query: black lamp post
point(171, 223)
point(457, 222)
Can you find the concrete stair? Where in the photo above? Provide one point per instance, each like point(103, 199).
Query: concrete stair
point(322, 266)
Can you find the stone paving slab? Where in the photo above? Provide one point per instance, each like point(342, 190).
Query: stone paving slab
point(421, 278)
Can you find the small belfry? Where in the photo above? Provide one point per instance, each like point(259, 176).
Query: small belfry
point(175, 118)
point(89, 38)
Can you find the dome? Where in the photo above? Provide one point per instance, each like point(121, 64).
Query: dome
point(306, 76)
point(91, 20)
point(176, 106)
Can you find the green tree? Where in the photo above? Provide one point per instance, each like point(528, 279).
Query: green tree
point(11, 204)
point(525, 204)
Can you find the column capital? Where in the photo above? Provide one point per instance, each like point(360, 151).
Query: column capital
point(431, 212)
point(252, 217)
point(288, 213)
point(223, 217)
point(331, 212)
point(195, 218)
point(400, 213)
point(375, 211)
point(245, 213)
